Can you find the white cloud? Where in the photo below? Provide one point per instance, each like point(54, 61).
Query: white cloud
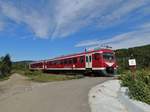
point(34, 19)
point(138, 37)
point(87, 43)
point(122, 12)
point(145, 26)
point(135, 38)
point(101, 13)
point(71, 15)
point(61, 18)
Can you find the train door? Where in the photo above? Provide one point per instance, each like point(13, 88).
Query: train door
point(88, 60)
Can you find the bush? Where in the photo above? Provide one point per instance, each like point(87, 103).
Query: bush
point(126, 79)
point(140, 91)
point(139, 88)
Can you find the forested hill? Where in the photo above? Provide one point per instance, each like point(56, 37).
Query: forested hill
point(141, 54)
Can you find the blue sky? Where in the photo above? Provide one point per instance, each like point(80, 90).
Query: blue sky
point(42, 29)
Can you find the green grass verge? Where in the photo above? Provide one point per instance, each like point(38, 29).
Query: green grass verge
point(21, 72)
point(39, 76)
point(4, 78)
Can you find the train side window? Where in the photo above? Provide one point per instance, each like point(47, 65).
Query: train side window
point(58, 62)
point(55, 62)
point(87, 60)
point(70, 61)
point(48, 63)
point(74, 60)
point(65, 61)
point(52, 62)
point(96, 56)
point(90, 58)
point(81, 59)
point(61, 62)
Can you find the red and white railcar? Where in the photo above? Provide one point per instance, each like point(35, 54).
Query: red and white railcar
point(101, 61)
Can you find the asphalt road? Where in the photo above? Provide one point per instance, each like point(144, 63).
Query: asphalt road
point(64, 96)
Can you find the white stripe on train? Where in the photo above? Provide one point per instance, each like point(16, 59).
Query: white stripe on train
point(101, 68)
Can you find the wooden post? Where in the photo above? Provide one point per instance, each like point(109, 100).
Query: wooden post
point(133, 70)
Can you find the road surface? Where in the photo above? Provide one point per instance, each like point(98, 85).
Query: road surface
point(64, 96)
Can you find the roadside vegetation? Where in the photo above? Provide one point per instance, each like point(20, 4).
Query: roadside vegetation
point(5, 67)
point(139, 87)
point(39, 76)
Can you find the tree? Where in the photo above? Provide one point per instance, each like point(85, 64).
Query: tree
point(5, 66)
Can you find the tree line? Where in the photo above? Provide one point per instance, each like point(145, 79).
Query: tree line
point(141, 54)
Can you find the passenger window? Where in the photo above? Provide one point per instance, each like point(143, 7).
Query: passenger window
point(74, 60)
point(86, 58)
point(90, 58)
point(81, 59)
point(96, 56)
point(70, 61)
point(61, 62)
point(58, 62)
point(65, 61)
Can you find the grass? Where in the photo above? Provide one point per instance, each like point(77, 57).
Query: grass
point(4, 78)
point(39, 76)
point(50, 78)
point(21, 72)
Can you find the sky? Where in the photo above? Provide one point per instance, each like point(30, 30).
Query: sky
point(43, 29)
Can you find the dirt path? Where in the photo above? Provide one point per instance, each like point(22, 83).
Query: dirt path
point(15, 85)
point(64, 96)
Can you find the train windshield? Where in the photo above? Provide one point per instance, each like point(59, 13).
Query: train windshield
point(108, 56)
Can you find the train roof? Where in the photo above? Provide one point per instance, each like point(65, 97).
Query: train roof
point(82, 53)
point(76, 54)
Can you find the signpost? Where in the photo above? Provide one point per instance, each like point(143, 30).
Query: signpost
point(132, 65)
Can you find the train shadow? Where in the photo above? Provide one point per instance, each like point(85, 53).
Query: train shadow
point(87, 74)
point(98, 75)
